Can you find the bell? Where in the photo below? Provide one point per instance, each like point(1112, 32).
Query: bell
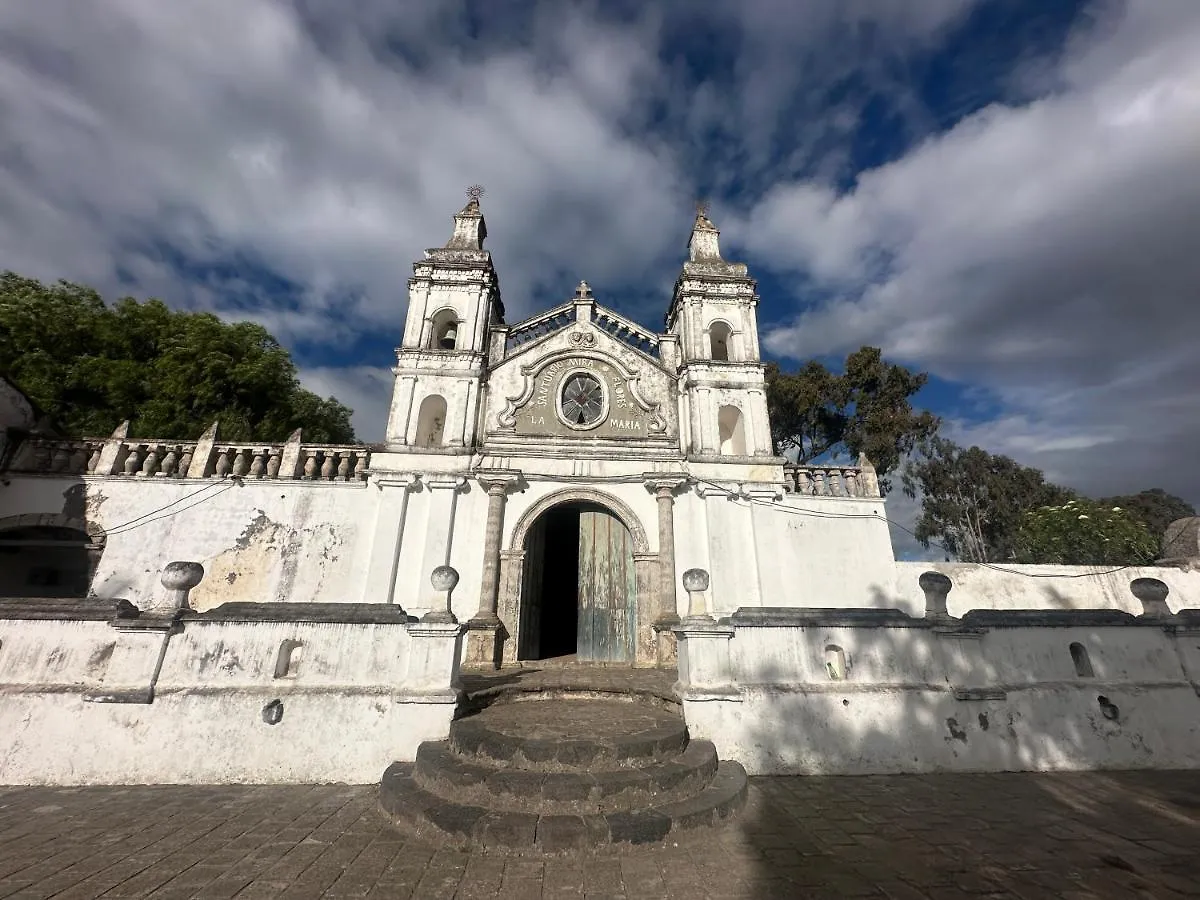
point(450, 337)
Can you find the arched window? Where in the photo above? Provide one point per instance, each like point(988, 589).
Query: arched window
point(1083, 663)
point(47, 560)
point(431, 421)
point(720, 336)
point(732, 432)
point(443, 330)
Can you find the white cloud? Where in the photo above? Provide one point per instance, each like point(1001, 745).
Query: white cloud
point(1046, 251)
point(367, 390)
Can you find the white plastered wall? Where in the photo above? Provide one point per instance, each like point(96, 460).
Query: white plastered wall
point(261, 541)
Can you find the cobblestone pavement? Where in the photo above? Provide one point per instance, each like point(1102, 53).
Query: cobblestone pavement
point(1107, 835)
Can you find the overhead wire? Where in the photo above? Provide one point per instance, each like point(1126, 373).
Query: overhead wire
point(822, 514)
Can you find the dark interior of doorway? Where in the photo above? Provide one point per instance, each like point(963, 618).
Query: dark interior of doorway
point(559, 595)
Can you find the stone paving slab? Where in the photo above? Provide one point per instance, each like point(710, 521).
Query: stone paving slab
point(1079, 835)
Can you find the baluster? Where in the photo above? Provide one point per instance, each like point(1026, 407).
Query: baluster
point(310, 464)
point(343, 469)
point(169, 463)
point(94, 459)
point(185, 461)
point(259, 465)
point(149, 463)
point(241, 464)
point(360, 463)
point(273, 463)
point(224, 463)
point(327, 466)
point(853, 488)
point(61, 459)
point(131, 460)
point(78, 462)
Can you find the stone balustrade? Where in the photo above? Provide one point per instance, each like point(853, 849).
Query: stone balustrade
point(124, 457)
point(627, 332)
point(832, 481)
point(539, 326)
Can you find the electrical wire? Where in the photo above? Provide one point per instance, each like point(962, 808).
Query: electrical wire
point(224, 483)
point(230, 481)
point(832, 515)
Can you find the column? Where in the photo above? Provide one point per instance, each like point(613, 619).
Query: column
point(390, 515)
point(497, 484)
point(663, 487)
point(439, 527)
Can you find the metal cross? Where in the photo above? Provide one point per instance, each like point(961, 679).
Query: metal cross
point(474, 192)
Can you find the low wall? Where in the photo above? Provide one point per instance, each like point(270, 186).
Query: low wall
point(247, 693)
point(1011, 586)
point(877, 691)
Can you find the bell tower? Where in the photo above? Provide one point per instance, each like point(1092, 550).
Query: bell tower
point(453, 301)
point(714, 314)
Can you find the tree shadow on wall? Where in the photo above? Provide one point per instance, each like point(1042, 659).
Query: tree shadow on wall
point(1006, 831)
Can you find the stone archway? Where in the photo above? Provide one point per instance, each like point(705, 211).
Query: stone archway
point(48, 555)
point(516, 581)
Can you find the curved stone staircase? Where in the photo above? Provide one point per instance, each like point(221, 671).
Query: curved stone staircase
point(563, 773)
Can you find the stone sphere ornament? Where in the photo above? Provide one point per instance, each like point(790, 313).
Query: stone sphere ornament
point(444, 578)
point(179, 578)
point(181, 575)
point(695, 580)
point(1153, 595)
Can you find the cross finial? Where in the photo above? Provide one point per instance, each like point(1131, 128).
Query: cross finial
point(474, 192)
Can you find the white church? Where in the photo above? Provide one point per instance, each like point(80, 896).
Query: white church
point(542, 489)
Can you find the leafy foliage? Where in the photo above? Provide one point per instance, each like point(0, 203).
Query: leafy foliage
point(867, 409)
point(973, 502)
point(1084, 533)
point(1155, 507)
point(92, 366)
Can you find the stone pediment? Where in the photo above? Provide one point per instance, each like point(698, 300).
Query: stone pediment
point(580, 381)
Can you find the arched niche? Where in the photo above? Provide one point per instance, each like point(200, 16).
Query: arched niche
point(431, 422)
point(720, 341)
point(444, 327)
point(731, 431)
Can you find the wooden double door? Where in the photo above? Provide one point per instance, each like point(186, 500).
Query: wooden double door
point(579, 591)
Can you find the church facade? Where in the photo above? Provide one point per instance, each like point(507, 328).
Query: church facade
point(573, 465)
point(573, 487)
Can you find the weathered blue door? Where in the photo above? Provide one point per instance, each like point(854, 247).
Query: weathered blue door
point(607, 589)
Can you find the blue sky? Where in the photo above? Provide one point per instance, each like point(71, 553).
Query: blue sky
point(1002, 193)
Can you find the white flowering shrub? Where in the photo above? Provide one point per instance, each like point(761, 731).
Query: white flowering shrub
point(1084, 533)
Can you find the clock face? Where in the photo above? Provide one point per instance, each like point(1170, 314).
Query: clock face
point(582, 399)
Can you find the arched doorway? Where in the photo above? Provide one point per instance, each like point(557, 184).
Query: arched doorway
point(47, 556)
point(579, 587)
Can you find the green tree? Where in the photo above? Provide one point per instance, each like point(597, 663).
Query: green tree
point(866, 409)
point(1084, 533)
point(1155, 507)
point(972, 502)
point(172, 374)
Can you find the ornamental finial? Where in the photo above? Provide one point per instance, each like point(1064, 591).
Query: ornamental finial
point(702, 208)
point(474, 192)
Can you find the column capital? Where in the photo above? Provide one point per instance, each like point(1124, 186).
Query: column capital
point(498, 481)
point(406, 480)
point(664, 485)
point(438, 482)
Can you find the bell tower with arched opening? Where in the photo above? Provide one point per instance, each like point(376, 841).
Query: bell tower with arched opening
point(714, 313)
point(453, 301)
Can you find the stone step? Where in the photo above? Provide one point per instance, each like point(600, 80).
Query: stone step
point(464, 824)
point(570, 734)
point(478, 780)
